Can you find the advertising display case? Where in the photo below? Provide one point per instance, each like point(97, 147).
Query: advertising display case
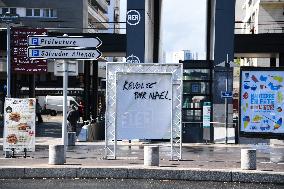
point(261, 102)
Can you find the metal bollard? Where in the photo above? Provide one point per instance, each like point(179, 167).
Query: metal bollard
point(56, 155)
point(151, 155)
point(248, 159)
point(71, 138)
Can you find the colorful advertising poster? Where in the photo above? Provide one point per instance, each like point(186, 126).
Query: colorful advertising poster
point(262, 102)
point(19, 124)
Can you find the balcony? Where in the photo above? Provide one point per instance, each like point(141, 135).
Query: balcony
point(97, 18)
point(271, 1)
point(101, 4)
point(94, 28)
point(274, 3)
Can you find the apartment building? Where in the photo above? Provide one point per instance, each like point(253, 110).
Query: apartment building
point(262, 16)
point(67, 15)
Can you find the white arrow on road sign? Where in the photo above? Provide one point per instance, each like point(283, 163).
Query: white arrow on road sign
point(85, 54)
point(71, 41)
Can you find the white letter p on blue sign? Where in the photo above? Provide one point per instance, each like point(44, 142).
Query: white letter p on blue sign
point(35, 41)
point(35, 52)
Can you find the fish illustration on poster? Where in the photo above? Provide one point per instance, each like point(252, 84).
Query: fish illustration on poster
point(261, 101)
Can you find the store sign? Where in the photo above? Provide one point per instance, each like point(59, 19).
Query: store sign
point(19, 124)
point(262, 102)
point(144, 105)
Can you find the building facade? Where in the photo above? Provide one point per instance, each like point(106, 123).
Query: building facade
point(262, 16)
point(70, 16)
point(64, 16)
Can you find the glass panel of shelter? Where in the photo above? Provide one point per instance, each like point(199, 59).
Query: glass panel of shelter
point(196, 91)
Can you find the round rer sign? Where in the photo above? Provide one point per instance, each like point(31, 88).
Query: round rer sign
point(133, 17)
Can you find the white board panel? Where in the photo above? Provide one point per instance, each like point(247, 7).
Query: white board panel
point(143, 105)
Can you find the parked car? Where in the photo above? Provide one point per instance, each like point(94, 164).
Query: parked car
point(54, 104)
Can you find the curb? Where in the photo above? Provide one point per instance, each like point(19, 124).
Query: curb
point(145, 173)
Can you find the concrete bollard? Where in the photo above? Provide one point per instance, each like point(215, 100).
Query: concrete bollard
point(151, 155)
point(248, 159)
point(71, 138)
point(56, 155)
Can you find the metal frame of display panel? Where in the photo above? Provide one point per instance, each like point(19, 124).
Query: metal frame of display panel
point(110, 119)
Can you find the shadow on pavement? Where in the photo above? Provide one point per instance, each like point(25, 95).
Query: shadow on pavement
point(49, 129)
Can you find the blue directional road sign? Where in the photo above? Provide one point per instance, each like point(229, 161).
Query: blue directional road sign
point(84, 54)
point(226, 94)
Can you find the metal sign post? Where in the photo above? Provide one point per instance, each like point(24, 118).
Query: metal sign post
point(227, 94)
point(8, 62)
point(227, 65)
point(64, 123)
point(74, 51)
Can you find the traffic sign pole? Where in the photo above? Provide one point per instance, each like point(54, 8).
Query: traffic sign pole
point(8, 62)
point(37, 50)
point(227, 65)
point(64, 123)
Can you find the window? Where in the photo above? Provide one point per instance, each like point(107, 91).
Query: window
point(36, 12)
point(196, 74)
point(4, 10)
point(46, 13)
point(29, 12)
point(53, 13)
point(11, 10)
point(49, 13)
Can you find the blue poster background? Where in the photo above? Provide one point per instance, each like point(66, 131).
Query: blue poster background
point(262, 101)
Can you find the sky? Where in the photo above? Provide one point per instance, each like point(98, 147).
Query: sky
point(183, 25)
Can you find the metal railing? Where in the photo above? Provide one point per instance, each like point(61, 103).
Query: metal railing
point(213, 122)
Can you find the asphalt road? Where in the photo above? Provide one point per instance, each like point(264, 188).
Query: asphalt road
point(127, 183)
